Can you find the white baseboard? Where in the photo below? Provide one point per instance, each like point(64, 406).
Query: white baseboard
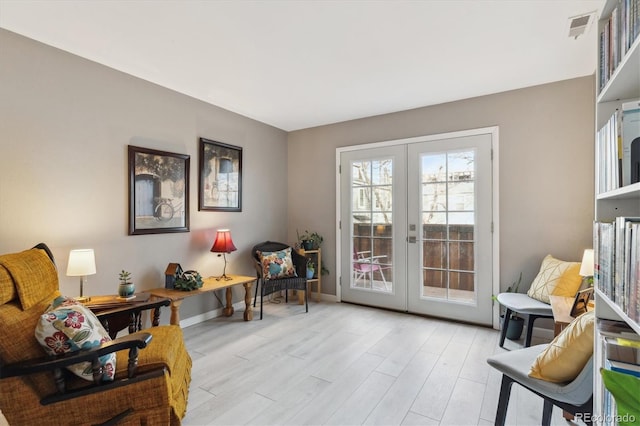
point(196, 319)
point(240, 307)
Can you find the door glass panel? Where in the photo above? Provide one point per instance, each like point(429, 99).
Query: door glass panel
point(372, 225)
point(448, 220)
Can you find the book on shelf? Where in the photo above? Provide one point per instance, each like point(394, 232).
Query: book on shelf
point(615, 351)
point(603, 257)
point(634, 273)
point(618, 330)
point(624, 367)
point(630, 141)
point(609, 150)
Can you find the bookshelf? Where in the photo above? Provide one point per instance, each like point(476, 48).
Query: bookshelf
point(617, 84)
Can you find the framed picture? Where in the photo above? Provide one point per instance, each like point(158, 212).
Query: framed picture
point(158, 191)
point(220, 183)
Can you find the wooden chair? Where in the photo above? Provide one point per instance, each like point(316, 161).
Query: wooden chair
point(153, 368)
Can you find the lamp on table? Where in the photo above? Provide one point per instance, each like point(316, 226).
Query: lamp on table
point(586, 267)
point(82, 262)
point(223, 244)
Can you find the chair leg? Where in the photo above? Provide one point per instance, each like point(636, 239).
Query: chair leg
point(505, 324)
point(503, 400)
point(256, 295)
point(547, 409)
point(527, 337)
point(306, 300)
point(261, 304)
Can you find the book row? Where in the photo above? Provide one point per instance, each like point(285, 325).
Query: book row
point(617, 263)
point(616, 37)
point(618, 148)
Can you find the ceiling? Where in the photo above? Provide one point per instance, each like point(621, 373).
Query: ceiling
point(300, 64)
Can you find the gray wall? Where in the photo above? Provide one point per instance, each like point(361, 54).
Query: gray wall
point(545, 169)
point(65, 124)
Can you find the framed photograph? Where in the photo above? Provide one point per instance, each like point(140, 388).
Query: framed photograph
point(581, 302)
point(220, 183)
point(158, 191)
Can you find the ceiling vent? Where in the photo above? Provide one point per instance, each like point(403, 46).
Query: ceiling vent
point(578, 25)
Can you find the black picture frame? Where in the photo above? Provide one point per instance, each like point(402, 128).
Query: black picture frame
point(581, 302)
point(220, 176)
point(158, 191)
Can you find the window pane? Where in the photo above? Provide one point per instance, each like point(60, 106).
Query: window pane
point(461, 256)
point(434, 197)
point(434, 254)
point(361, 173)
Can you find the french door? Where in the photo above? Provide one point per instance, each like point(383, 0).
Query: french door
point(373, 223)
point(416, 226)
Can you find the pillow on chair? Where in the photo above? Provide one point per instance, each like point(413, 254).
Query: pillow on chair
point(277, 264)
point(68, 326)
point(555, 277)
point(568, 353)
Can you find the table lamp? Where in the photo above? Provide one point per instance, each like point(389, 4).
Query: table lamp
point(586, 267)
point(82, 262)
point(223, 244)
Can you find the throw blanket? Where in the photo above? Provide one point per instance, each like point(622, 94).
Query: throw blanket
point(34, 275)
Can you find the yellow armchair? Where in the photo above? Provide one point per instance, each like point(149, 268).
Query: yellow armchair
point(153, 368)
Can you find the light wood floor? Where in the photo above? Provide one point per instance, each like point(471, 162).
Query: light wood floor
point(342, 364)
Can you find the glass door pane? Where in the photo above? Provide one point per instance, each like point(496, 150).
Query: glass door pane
point(372, 225)
point(449, 226)
point(448, 218)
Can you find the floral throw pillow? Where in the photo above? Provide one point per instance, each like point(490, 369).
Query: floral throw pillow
point(277, 264)
point(68, 326)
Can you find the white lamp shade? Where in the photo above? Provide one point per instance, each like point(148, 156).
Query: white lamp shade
point(82, 262)
point(586, 268)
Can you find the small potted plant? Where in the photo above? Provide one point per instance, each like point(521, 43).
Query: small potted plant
point(311, 269)
point(126, 288)
point(516, 323)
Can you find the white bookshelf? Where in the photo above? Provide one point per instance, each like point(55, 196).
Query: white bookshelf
point(623, 85)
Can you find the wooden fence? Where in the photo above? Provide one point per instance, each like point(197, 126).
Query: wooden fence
point(460, 244)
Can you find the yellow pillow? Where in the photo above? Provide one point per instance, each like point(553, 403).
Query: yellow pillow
point(568, 353)
point(554, 274)
point(569, 282)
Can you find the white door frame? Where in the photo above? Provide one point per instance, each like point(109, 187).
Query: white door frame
point(495, 212)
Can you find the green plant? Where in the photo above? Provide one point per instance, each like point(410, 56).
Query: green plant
point(188, 281)
point(310, 265)
point(124, 277)
point(315, 238)
point(513, 288)
point(323, 269)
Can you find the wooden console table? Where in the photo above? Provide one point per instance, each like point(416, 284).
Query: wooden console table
point(209, 284)
point(561, 308)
